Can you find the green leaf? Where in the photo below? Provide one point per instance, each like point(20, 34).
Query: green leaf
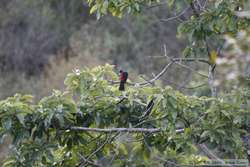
point(9, 163)
point(20, 117)
point(60, 118)
point(171, 3)
point(187, 131)
point(205, 134)
point(123, 149)
point(7, 123)
point(93, 9)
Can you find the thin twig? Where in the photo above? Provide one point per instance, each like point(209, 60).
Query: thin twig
point(176, 16)
point(211, 76)
point(157, 156)
point(194, 87)
point(156, 5)
point(98, 149)
point(202, 60)
point(158, 75)
point(192, 5)
point(88, 161)
point(210, 153)
point(191, 60)
point(191, 69)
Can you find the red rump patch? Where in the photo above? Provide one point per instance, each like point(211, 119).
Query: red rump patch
point(122, 76)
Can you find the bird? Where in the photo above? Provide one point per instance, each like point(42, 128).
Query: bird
point(212, 59)
point(148, 110)
point(123, 80)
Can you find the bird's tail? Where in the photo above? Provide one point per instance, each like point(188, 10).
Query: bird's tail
point(122, 86)
point(148, 109)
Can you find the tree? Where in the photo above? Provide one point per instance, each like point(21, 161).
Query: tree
point(102, 127)
point(93, 123)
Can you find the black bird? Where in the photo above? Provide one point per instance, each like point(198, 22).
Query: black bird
point(148, 109)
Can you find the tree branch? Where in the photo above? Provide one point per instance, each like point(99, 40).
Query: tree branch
point(176, 16)
point(209, 153)
point(157, 76)
point(84, 160)
point(192, 5)
point(114, 130)
point(149, 81)
point(98, 149)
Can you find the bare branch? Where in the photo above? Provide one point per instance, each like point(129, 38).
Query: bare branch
point(191, 69)
point(176, 16)
point(98, 149)
point(211, 76)
point(167, 66)
point(158, 75)
point(156, 5)
point(113, 130)
point(201, 60)
point(149, 81)
point(84, 160)
point(191, 60)
point(210, 154)
point(120, 130)
point(192, 5)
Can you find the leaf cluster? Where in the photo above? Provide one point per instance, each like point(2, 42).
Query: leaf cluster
point(42, 134)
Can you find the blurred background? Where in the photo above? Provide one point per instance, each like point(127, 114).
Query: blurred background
point(41, 41)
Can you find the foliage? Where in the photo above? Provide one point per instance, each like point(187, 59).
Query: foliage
point(42, 134)
point(210, 20)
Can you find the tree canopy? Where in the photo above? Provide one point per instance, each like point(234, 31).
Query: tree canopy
point(52, 133)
